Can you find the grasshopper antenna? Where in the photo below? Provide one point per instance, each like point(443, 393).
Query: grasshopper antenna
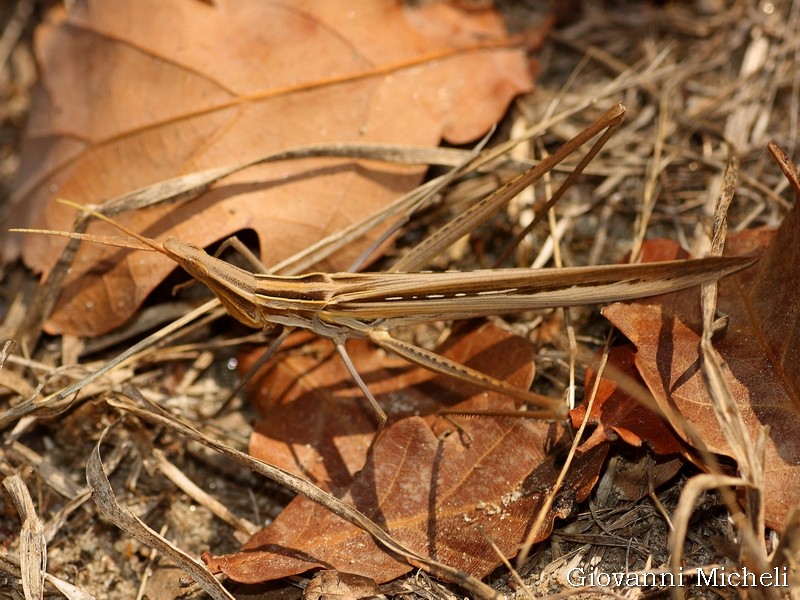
point(145, 243)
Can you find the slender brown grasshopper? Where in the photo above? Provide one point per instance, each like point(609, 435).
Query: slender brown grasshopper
point(339, 306)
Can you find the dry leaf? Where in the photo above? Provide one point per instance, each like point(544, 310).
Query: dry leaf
point(336, 585)
point(432, 495)
point(137, 92)
point(760, 346)
point(315, 422)
point(634, 479)
point(429, 490)
point(619, 414)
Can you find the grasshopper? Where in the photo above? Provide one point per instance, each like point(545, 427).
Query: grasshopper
point(367, 305)
point(339, 306)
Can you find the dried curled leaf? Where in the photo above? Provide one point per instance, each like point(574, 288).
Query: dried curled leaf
point(127, 99)
point(617, 413)
point(315, 422)
point(759, 346)
point(434, 496)
point(436, 493)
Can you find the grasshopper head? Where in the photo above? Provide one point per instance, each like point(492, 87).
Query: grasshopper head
point(231, 285)
point(193, 259)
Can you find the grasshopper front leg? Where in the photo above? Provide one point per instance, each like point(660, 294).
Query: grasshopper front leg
point(379, 413)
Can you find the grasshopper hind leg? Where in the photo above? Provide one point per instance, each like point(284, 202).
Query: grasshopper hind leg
point(545, 407)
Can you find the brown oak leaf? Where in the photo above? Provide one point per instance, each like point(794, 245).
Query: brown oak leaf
point(760, 346)
point(133, 93)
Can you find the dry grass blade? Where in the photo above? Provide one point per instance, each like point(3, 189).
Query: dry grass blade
point(182, 481)
point(480, 212)
point(683, 514)
point(749, 458)
point(726, 410)
point(11, 568)
point(187, 187)
point(55, 478)
point(33, 546)
point(508, 565)
point(540, 517)
point(103, 496)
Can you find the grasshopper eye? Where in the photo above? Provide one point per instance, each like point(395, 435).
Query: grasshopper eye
point(195, 268)
point(189, 256)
